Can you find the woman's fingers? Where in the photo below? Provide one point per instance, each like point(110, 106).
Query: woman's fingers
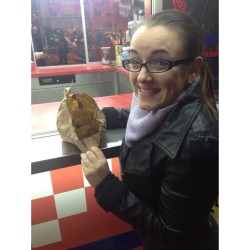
point(98, 153)
point(85, 159)
point(91, 156)
point(95, 166)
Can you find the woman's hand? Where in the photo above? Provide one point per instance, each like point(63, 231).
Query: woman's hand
point(95, 166)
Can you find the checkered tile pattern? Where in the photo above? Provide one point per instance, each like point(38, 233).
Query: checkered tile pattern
point(64, 211)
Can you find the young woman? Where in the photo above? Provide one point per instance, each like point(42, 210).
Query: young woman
point(169, 156)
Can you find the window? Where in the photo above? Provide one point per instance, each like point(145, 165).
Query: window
point(73, 31)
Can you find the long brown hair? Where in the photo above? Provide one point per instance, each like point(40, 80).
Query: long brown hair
point(192, 35)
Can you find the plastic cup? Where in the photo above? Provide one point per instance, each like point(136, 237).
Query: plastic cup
point(106, 55)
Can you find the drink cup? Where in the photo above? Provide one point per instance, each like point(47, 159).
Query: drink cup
point(106, 55)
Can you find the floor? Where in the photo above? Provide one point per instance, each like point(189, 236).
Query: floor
point(65, 214)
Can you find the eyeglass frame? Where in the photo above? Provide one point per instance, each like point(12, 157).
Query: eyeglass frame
point(172, 63)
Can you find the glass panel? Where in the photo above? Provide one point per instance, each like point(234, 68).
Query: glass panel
point(106, 25)
point(57, 32)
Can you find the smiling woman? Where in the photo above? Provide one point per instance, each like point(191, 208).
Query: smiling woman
point(169, 155)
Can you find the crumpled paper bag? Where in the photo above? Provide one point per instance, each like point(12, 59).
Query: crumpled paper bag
point(80, 121)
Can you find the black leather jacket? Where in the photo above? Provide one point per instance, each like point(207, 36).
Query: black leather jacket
point(170, 181)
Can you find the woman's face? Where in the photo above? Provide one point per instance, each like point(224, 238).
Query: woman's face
point(157, 90)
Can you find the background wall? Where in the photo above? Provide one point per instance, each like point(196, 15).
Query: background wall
point(206, 12)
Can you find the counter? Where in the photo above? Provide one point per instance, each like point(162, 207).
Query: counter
point(49, 152)
point(48, 83)
point(76, 69)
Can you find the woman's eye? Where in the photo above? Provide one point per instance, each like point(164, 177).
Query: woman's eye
point(160, 63)
point(133, 61)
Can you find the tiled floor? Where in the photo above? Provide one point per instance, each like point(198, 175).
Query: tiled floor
point(65, 213)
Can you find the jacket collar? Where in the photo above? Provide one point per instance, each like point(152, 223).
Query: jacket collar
point(175, 127)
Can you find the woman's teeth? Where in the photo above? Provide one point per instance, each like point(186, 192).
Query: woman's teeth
point(148, 91)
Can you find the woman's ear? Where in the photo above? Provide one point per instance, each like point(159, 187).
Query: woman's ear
point(195, 68)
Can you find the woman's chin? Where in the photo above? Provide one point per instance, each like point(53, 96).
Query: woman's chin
point(146, 106)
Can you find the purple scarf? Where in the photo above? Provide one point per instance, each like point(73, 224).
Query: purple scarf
point(142, 123)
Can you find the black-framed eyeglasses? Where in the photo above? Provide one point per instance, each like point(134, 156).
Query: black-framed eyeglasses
point(153, 66)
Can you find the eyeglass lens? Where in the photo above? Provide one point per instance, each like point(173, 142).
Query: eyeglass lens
point(158, 65)
point(152, 66)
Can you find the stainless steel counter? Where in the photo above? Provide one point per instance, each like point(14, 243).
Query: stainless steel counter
point(49, 152)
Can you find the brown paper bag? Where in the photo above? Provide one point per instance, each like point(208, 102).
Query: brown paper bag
point(80, 121)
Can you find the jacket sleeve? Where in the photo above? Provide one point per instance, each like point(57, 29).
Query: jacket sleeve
point(116, 118)
point(187, 191)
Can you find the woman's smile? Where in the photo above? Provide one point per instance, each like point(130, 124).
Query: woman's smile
point(148, 92)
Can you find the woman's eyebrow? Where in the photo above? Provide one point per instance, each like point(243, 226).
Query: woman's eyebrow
point(152, 52)
point(159, 51)
point(133, 51)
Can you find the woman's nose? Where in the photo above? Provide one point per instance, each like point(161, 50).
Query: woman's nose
point(144, 75)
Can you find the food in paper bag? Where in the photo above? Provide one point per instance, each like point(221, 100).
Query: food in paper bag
point(80, 121)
